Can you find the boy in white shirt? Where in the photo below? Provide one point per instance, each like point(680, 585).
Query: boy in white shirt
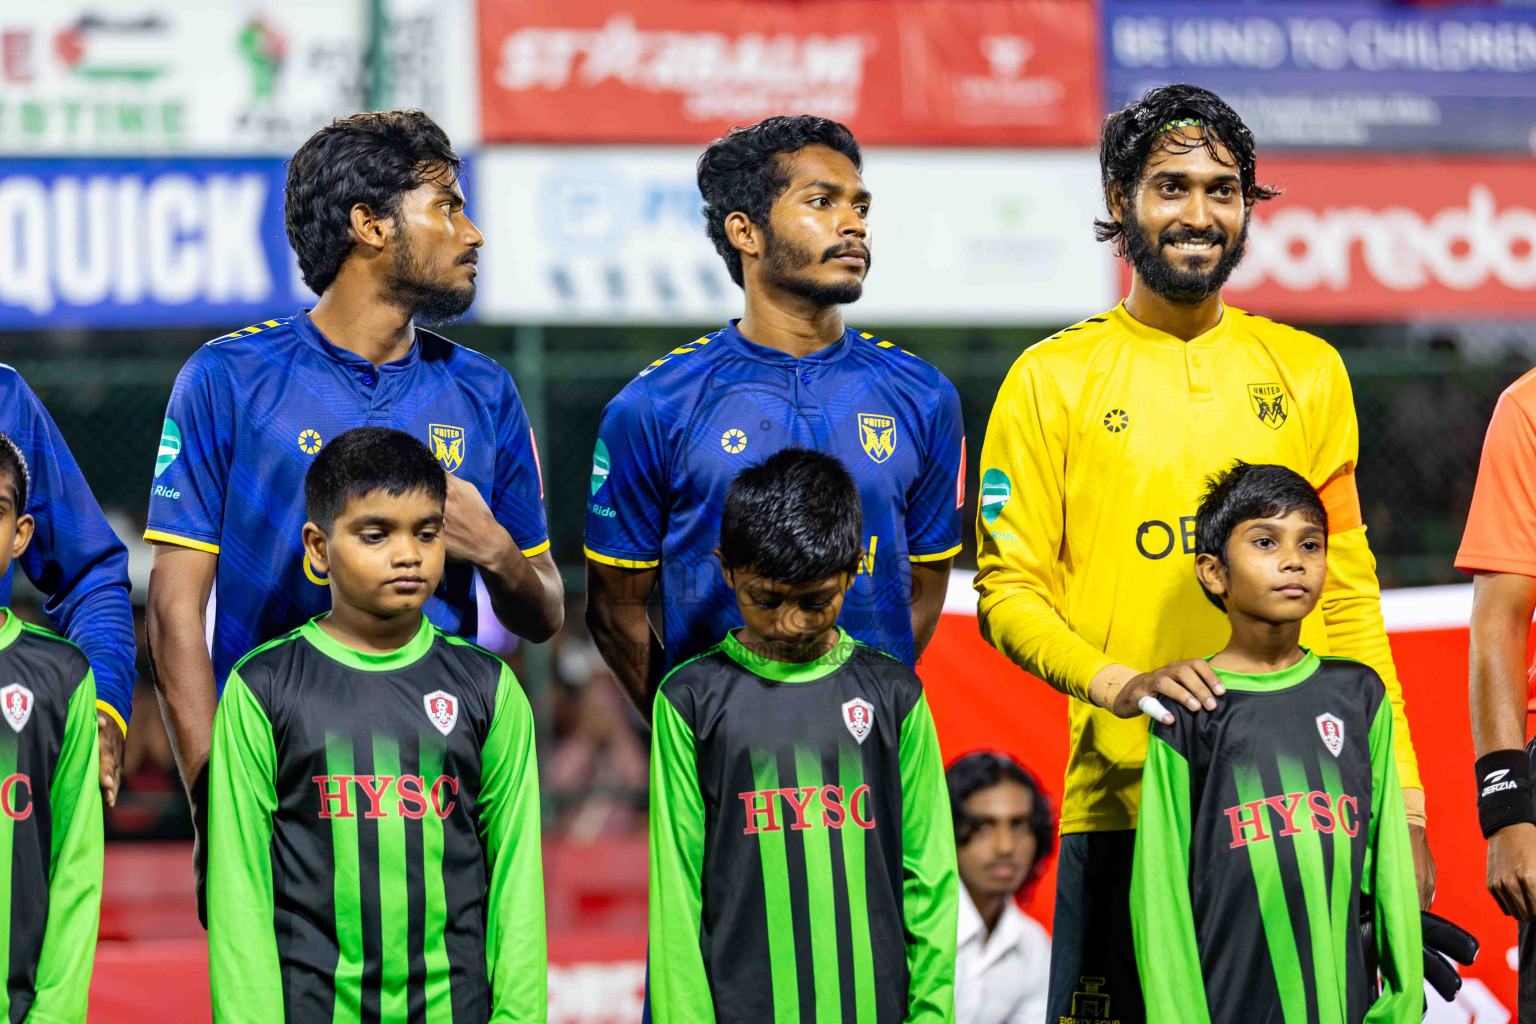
point(1004, 837)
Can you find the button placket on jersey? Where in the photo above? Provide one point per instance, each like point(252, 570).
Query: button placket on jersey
point(1197, 364)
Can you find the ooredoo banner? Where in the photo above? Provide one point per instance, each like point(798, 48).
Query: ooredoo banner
point(1392, 239)
point(899, 72)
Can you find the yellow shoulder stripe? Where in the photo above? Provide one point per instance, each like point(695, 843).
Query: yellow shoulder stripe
point(247, 331)
point(690, 347)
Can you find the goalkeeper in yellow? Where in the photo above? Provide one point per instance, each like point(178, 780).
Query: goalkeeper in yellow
point(1098, 446)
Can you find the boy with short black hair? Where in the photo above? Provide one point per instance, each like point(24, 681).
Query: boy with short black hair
point(50, 804)
point(802, 859)
point(1269, 822)
point(374, 799)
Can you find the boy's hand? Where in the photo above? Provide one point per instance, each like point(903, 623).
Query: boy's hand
point(1192, 682)
point(109, 756)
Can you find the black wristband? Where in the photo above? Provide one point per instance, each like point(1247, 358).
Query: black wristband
point(1504, 790)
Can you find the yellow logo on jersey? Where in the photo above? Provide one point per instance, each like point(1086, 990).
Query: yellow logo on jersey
point(447, 445)
point(309, 441)
point(733, 441)
point(1268, 401)
point(878, 435)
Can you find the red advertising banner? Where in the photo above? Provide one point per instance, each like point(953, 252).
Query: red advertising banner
point(981, 701)
point(898, 72)
point(1392, 239)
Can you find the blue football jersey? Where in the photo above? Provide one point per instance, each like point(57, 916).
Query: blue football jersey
point(75, 558)
point(247, 416)
point(672, 441)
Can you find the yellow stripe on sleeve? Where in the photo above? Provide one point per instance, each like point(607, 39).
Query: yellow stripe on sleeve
point(952, 552)
point(161, 537)
point(537, 549)
point(622, 563)
point(111, 711)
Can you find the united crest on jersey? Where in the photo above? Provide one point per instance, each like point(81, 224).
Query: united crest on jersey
point(442, 709)
point(16, 704)
point(1268, 402)
point(447, 445)
point(859, 717)
point(1331, 728)
point(878, 435)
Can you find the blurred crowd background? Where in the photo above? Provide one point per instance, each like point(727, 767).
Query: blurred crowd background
point(142, 148)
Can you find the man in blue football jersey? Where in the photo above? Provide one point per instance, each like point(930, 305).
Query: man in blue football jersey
point(787, 209)
point(78, 563)
point(375, 213)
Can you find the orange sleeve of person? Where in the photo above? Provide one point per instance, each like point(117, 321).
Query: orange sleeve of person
point(1341, 500)
point(1501, 525)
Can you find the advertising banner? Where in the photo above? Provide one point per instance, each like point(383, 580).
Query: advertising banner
point(1392, 239)
point(135, 76)
point(899, 72)
point(616, 234)
point(980, 700)
point(125, 243)
point(1352, 74)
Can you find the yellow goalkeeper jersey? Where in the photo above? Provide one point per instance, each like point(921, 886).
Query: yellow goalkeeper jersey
point(1094, 462)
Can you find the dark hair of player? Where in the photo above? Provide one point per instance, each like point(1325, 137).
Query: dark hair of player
point(743, 170)
point(1132, 133)
point(984, 769)
point(795, 518)
point(364, 460)
point(1247, 491)
point(372, 158)
point(13, 463)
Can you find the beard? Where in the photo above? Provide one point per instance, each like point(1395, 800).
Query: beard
point(785, 264)
point(430, 302)
point(1177, 285)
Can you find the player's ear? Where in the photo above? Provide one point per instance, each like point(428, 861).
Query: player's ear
point(1211, 574)
point(24, 527)
point(726, 572)
point(316, 549)
point(850, 578)
point(1114, 200)
point(745, 236)
point(368, 228)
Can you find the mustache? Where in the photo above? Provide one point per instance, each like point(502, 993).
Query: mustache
point(847, 250)
point(1173, 235)
point(473, 256)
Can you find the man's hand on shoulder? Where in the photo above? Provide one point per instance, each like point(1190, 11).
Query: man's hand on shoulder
point(470, 531)
point(1512, 869)
point(110, 756)
point(1193, 683)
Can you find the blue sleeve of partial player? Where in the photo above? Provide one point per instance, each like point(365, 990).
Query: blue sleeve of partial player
point(517, 500)
point(192, 465)
point(626, 506)
point(75, 558)
point(934, 505)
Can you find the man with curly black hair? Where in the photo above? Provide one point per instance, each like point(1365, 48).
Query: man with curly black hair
point(375, 213)
point(1097, 446)
point(786, 207)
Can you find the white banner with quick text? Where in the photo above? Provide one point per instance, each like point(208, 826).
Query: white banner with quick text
point(603, 234)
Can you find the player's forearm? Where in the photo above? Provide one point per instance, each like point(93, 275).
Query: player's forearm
point(175, 634)
point(633, 652)
point(1501, 623)
point(1023, 626)
point(527, 594)
point(930, 584)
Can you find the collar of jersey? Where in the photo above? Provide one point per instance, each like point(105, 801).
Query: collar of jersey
point(1268, 681)
point(368, 662)
point(763, 354)
point(1136, 329)
point(309, 332)
point(788, 671)
point(11, 630)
